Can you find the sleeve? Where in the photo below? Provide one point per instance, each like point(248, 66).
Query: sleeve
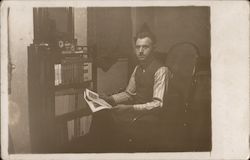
point(128, 93)
point(161, 79)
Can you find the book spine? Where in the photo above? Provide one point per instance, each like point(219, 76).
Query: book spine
point(67, 73)
point(72, 73)
point(78, 72)
point(56, 74)
point(63, 72)
point(60, 73)
point(87, 71)
point(90, 71)
point(75, 73)
point(70, 126)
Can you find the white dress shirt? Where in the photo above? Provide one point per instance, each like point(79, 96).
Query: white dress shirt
point(161, 78)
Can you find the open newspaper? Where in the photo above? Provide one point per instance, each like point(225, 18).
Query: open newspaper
point(94, 101)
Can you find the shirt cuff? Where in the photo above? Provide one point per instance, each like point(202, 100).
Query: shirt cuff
point(139, 107)
point(148, 106)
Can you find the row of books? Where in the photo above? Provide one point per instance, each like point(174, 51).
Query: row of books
point(82, 125)
point(68, 103)
point(73, 70)
point(74, 128)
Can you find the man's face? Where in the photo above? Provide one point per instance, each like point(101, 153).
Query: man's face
point(143, 48)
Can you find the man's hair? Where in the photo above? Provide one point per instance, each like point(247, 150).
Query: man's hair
point(145, 32)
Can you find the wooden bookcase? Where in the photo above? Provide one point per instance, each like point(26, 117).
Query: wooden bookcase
point(49, 130)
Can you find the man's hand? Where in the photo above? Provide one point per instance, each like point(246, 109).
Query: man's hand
point(122, 107)
point(108, 99)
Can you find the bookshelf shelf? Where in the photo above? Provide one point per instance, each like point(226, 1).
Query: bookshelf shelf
point(57, 109)
point(57, 56)
point(78, 113)
point(72, 86)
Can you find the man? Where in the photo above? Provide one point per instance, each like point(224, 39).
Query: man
point(148, 80)
point(145, 92)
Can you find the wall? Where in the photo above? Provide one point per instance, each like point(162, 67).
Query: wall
point(176, 24)
point(20, 36)
point(118, 70)
point(184, 24)
point(80, 24)
point(114, 80)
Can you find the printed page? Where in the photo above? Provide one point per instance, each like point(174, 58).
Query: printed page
point(95, 106)
point(95, 97)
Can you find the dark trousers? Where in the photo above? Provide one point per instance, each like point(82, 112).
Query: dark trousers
point(114, 132)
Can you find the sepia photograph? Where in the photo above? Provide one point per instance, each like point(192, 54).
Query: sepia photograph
point(108, 79)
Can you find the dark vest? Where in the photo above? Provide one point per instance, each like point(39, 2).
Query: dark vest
point(145, 82)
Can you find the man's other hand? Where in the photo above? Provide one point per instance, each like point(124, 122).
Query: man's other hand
point(122, 107)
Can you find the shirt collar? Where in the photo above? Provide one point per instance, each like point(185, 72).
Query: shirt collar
point(146, 63)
